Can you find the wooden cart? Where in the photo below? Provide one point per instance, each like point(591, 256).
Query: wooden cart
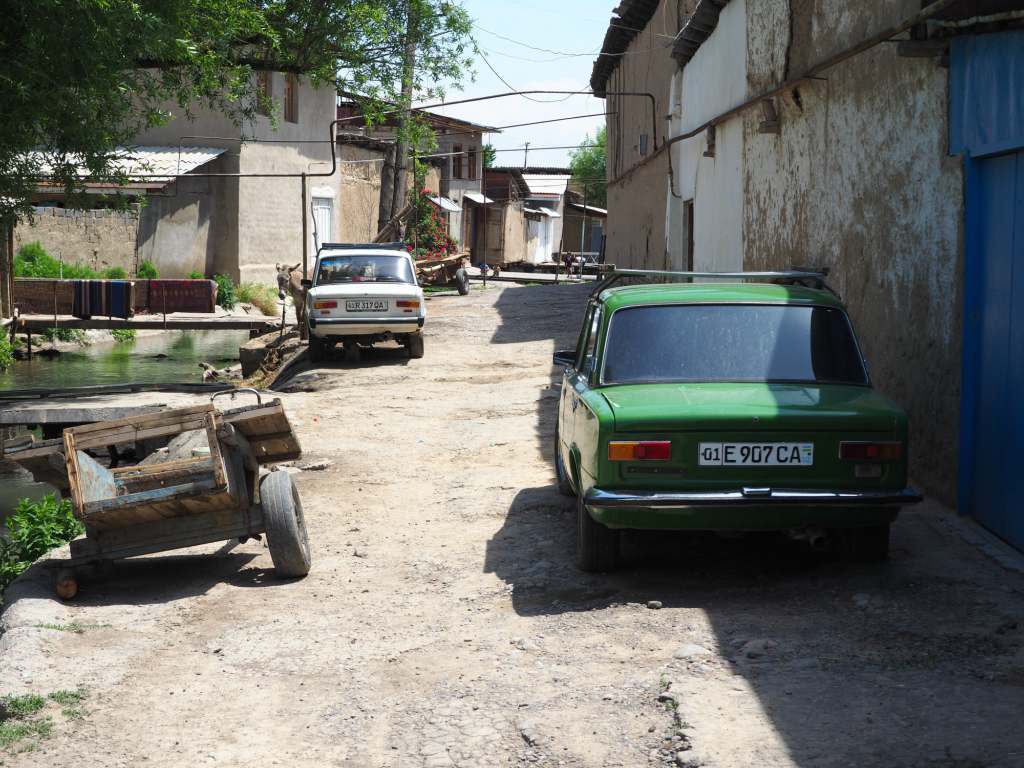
point(450, 270)
point(205, 486)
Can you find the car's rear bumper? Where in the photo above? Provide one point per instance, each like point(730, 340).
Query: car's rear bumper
point(361, 326)
point(745, 509)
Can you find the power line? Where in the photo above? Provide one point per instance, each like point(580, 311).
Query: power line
point(512, 87)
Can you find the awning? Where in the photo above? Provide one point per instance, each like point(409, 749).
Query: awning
point(590, 209)
point(149, 167)
point(476, 197)
point(445, 204)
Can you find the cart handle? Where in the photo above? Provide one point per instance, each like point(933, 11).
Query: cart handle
point(235, 392)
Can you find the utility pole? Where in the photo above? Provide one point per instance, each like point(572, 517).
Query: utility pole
point(405, 118)
point(526, 155)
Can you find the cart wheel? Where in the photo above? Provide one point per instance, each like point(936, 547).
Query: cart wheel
point(66, 585)
point(462, 281)
point(286, 526)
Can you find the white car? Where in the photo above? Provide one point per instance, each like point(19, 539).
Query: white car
point(361, 294)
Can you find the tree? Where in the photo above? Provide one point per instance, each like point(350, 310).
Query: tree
point(80, 78)
point(490, 156)
point(589, 165)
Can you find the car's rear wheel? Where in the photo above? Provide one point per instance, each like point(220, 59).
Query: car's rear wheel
point(414, 343)
point(317, 349)
point(564, 484)
point(597, 546)
point(864, 545)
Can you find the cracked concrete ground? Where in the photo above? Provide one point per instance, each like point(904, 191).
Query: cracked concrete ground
point(444, 624)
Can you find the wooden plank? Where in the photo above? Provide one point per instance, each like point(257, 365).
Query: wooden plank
point(36, 323)
point(156, 495)
point(145, 420)
point(160, 475)
point(96, 484)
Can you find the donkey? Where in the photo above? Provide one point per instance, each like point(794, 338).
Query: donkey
point(289, 282)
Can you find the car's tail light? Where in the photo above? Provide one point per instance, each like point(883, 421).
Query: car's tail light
point(325, 305)
point(646, 450)
point(865, 451)
point(408, 304)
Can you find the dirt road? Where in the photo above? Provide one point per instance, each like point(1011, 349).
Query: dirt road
point(445, 625)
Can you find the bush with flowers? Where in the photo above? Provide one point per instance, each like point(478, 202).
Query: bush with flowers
point(427, 232)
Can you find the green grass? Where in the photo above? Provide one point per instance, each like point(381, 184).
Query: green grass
point(114, 273)
point(6, 353)
point(147, 271)
point(260, 295)
point(11, 732)
point(17, 707)
point(124, 335)
point(75, 335)
point(195, 274)
point(66, 698)
point(225, 292)
point(72, 626)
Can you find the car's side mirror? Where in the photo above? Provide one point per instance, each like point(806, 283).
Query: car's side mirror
point(565, 357)
point(307, 283)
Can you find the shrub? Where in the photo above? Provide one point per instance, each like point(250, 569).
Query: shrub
point(114, 273)
point(260, 295)
point(123, 335)
point(6, 354)
point(195, 274)
point(147, 271)
point(225, 291)
point(32, 260)
point(34, 529)
point(64, 334)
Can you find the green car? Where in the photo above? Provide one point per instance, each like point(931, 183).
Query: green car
point(726, 406)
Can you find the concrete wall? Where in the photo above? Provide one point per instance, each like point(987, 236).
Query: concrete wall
point(859, 180)
point(99, 239)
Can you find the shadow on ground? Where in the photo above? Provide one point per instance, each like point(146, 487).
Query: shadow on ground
point(906, 663)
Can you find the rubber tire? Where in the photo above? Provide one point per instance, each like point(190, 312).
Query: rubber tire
point(597, 546)
point(414, 344)
point(286, 526)
point(352, 352)
point(864, 545)
point(462, 282)
point(564, 484)
point(317, 349)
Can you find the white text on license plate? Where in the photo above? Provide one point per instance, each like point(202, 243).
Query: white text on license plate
point(366, 305)
point(755, 454)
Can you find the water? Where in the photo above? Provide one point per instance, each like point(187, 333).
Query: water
point(15, 485)
point(167, 358)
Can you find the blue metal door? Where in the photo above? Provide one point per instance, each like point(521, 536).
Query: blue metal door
point(996, 492)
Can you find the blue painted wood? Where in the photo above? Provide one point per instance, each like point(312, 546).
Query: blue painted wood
point(986, 93)
point(171, 493)
point(994, 340)
point(95, 482)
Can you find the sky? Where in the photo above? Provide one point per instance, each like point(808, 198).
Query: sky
point(562, 26)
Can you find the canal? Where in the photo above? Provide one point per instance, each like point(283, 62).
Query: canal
point(167, 358)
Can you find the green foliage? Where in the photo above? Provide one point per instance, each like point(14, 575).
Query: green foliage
point(34, 529)
point(147, 271)
point(124, 335)
point(67, 697)
point(20, 706)
point(68, 335)
point(225, 291)
point(428, 230)
point(6, 354)
point(132, 59)
point(196, 275)
point(589, 169)
point(260, 295)
point(13, 731)
point(32, 260)
point(490, 156)
point(114, 273)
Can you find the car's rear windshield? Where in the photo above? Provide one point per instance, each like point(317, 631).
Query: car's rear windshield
point(364, 269)
point(731, 342)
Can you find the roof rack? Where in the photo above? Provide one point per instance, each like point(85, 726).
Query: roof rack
point(362, 246)
point(805, 277)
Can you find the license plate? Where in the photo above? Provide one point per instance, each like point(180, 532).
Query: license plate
point(366, 305)
point(755, 454)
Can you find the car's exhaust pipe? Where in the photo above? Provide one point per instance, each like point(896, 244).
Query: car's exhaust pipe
point(816, 538)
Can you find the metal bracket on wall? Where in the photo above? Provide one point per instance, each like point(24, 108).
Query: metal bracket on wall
point(710, 150)
point(769, 118)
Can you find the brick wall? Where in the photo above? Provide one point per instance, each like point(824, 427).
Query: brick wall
point(100, 239)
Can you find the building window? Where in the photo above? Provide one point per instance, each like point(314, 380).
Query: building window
point(471, 169)
point(291, 98)
point(264, 85)
point(643, 144)
point(457, 162)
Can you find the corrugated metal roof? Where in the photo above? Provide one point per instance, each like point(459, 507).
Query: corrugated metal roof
point(154, 165)
point(697, 29)
point(445, 204)
point(476, 197)
point(546, 184)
